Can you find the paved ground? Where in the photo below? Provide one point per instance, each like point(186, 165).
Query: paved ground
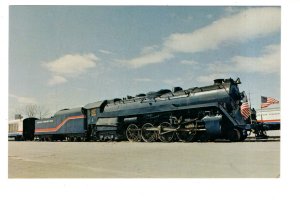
point(143, 160)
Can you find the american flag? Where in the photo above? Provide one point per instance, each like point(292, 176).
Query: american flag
point(266, 101)
point(245, 109)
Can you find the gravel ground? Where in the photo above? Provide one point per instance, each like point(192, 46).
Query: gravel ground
point(143, 160)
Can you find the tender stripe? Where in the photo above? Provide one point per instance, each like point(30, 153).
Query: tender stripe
point(271, 120)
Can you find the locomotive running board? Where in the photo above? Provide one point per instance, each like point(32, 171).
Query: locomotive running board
point(210, 105)
point(233, 121)
point(163, 131)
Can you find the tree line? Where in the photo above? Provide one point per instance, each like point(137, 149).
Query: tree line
point(34, 110)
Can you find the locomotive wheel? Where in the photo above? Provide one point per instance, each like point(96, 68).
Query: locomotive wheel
point(166, 136)
point(185, 136)
point(243, 137)
point(111, 138)
point(235, 136)
point(49, 139)
point(133, 133)
point(149, 135)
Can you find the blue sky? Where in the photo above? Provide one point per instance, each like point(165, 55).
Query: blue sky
point(68, 56)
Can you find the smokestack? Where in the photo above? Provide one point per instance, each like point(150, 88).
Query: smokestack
point(218, 81)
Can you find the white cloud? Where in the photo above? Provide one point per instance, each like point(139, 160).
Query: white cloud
point(154, 57)
point(247, 24)
point(208, 79)
point(24, 99)
point(55, 80)
point(268, 62)
point(149, 49)
point(240, 27)
point(70, 65)
point(189, 62)
point(105, 51)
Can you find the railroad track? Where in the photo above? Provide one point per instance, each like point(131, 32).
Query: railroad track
point(269, 139)
point(248, 139)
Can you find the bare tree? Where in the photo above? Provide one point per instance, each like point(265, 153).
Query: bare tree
point(42, 112)
point(31, 110)
point(38, 111)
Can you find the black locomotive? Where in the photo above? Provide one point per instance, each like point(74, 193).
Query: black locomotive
point(195, 114)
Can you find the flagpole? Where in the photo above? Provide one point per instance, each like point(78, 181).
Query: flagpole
point(250, 109)
point(261, 111)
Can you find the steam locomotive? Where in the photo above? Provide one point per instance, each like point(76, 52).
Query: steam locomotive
point(195, 114)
